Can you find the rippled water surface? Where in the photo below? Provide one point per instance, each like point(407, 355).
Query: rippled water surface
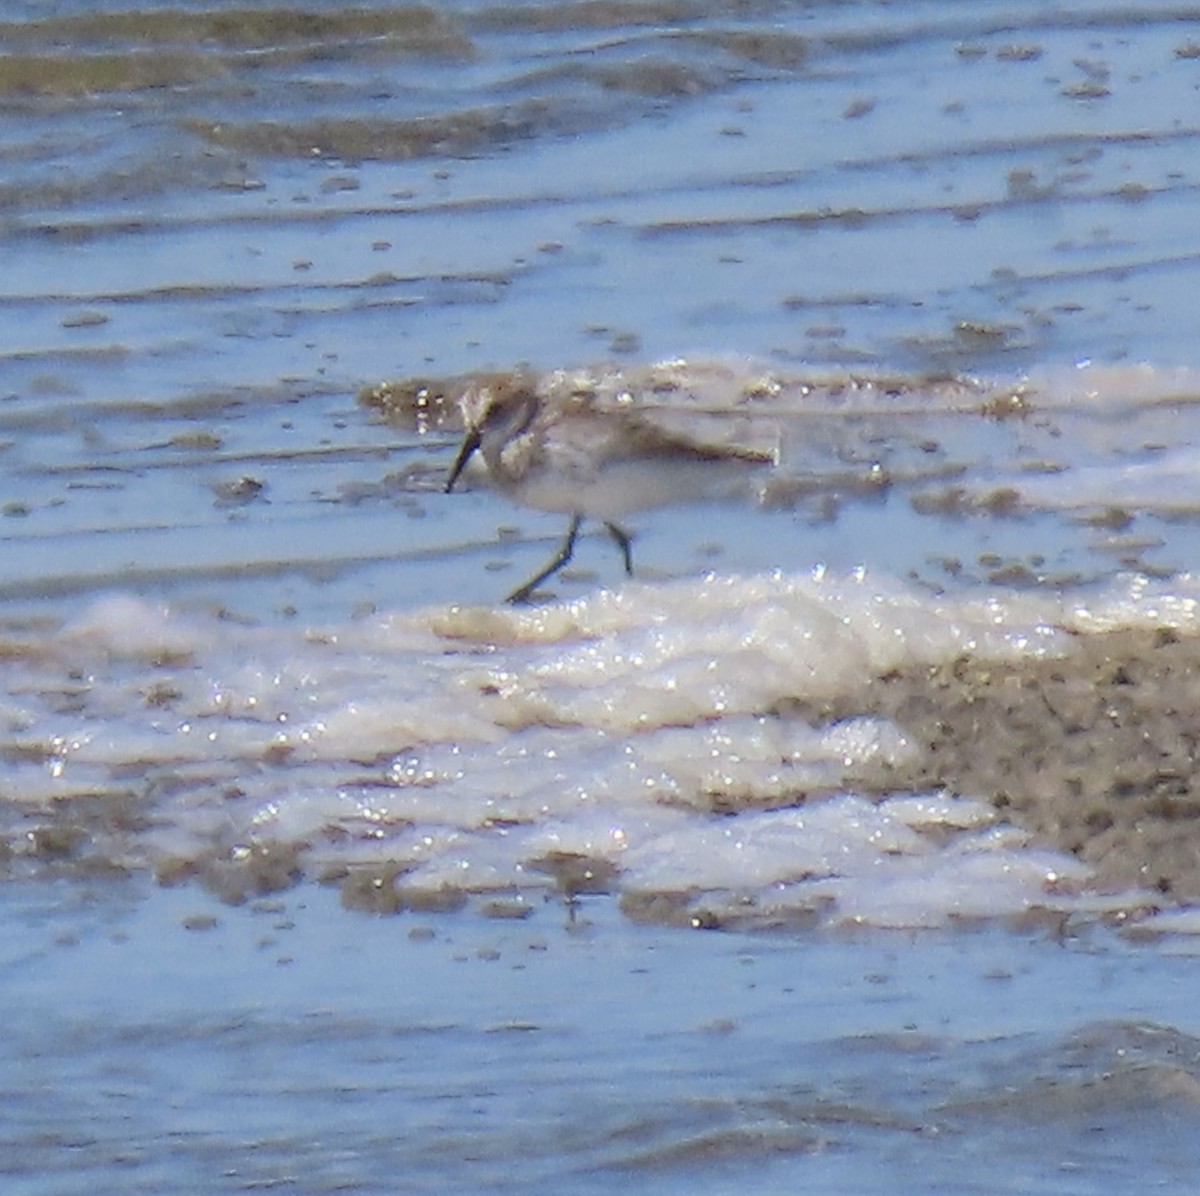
point(323, 871)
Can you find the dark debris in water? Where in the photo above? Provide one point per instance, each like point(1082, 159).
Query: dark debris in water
point(576, 874)
point(239, 491)
point(373, 889)
point(379, 889)
point(234, 875)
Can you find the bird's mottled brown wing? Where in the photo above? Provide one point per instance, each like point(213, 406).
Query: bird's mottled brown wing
point(651, 431)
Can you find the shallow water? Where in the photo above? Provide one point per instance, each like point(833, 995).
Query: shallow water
point(286, 1046)
point(939, 259)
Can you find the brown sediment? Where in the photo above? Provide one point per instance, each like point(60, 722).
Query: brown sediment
point(596, 14)
point(432, 403)
point(418, 27)
point(235, 875)
point(466, 131)
point(1097, 753)
point(711, 386)
point(81, 75)
point(134, 51)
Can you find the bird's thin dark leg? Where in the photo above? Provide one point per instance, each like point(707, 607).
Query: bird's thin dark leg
point(521, 593)
point(624, 543)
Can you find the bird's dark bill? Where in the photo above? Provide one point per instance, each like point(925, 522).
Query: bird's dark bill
point(469, 445)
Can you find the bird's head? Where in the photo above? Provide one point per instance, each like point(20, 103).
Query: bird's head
point(493, 413)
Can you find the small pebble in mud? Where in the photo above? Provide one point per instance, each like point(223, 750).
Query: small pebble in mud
point(200, 922)
point(55, 842)
point(1113, 518)
point(1089, 89)
point(435, 901)
point(196, 442)
point(373, 890)
point(1019, 53)
point(251, 870)
point(506, 910)
point(84, 319)
point(340, 182)
point(238, 493)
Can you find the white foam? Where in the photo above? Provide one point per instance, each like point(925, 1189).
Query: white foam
point(753, 850)
point(649, 728)
point(120, 625)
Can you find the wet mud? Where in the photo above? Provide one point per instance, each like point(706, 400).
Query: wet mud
point(1096, 753)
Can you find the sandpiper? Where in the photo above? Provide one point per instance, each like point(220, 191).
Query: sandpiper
point(567, 454)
